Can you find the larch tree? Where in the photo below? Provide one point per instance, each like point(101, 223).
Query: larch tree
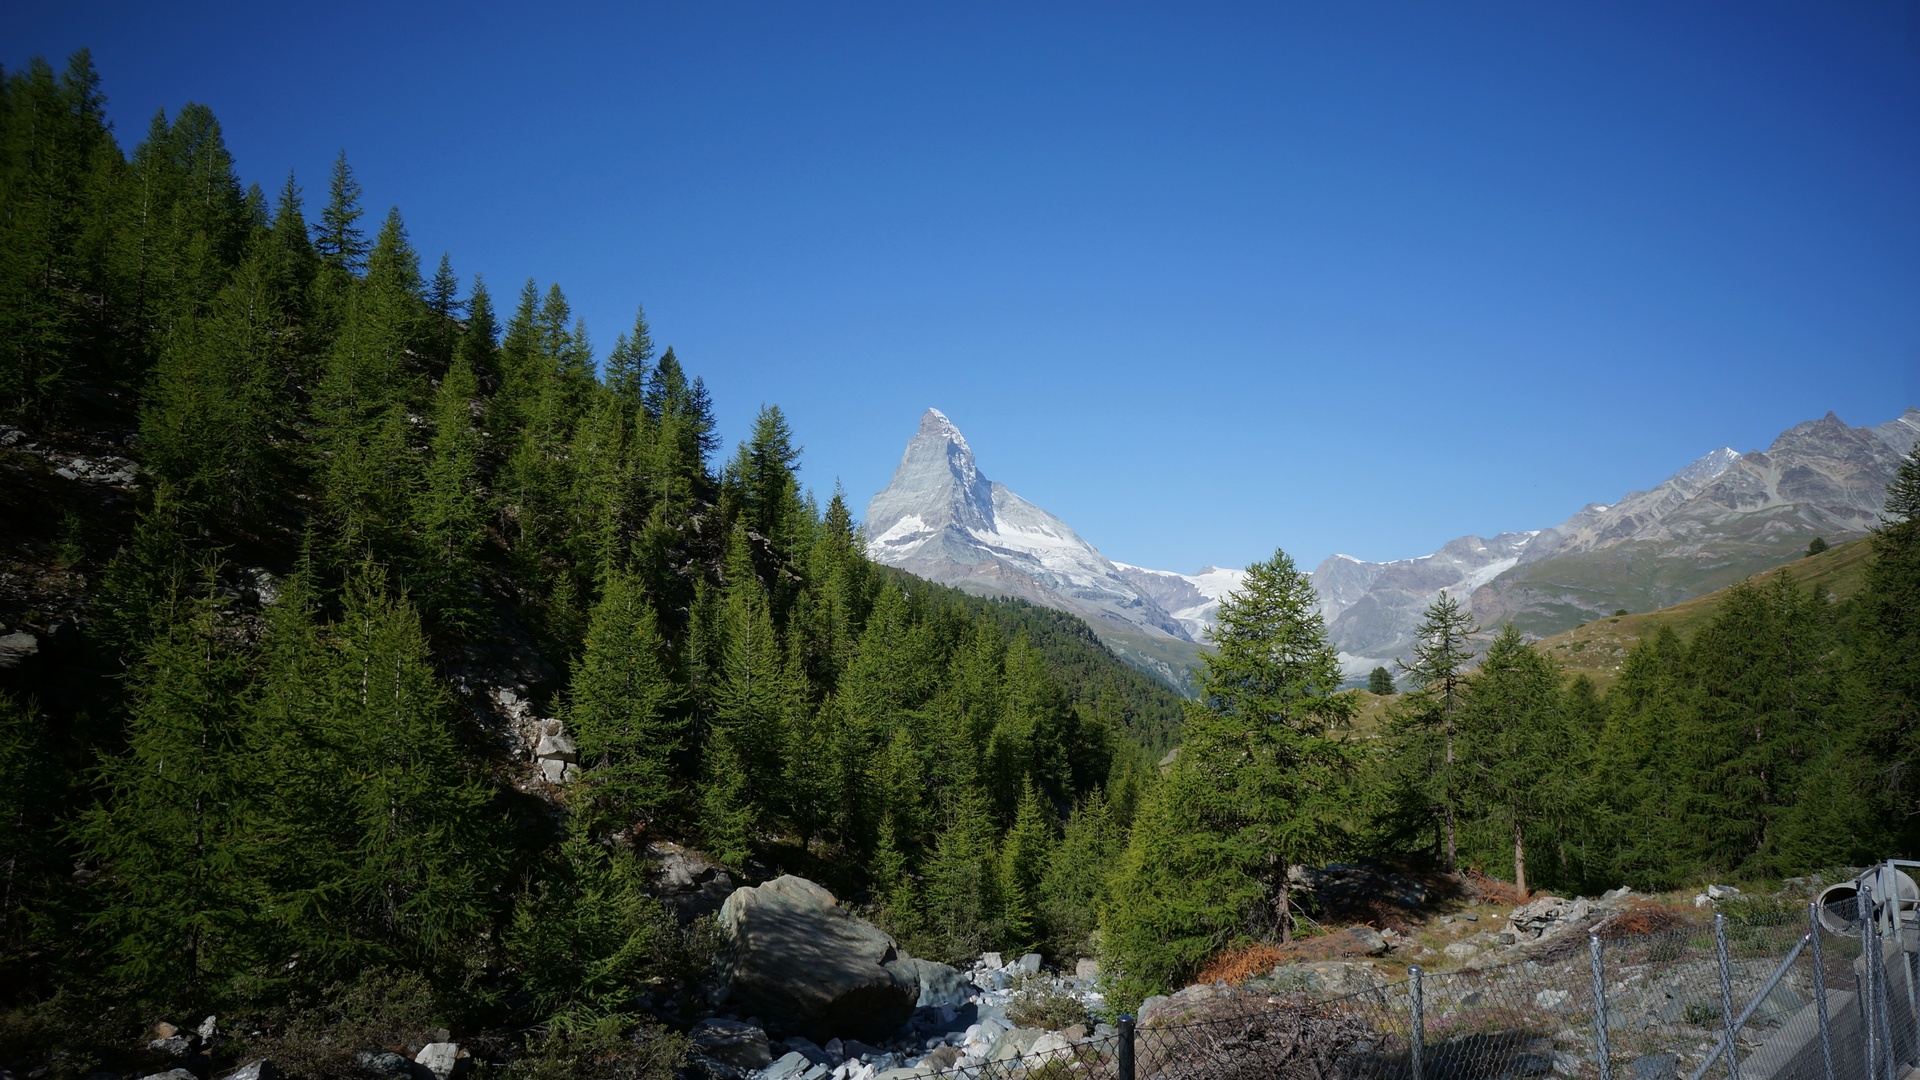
point(1442, 652)
point(1519, 755)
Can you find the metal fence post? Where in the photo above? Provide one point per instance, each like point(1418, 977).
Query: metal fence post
point(1869, 1015)
point(1417, 1037)
point(1820, 991)
point(1726, 993)
point(1123, 1054)
point(1600, 1008)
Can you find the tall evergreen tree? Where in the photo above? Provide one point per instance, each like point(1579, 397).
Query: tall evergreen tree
point(339, 240)
point(1269, 703)
point(1520, 753)
point(625, 710)
point(170, 830)
point(1441, 654)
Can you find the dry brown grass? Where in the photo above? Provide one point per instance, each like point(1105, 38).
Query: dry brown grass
point(1493, 890)
point(1641, 916)
point(1242, 962)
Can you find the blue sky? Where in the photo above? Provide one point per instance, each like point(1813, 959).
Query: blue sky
point(1203, 280)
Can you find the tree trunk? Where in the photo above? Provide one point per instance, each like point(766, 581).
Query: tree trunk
point(1453, 851)
point(1285, 906)
point(1519, 859)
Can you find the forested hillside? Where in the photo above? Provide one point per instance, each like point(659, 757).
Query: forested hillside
point(269, 737)
point(359, 639)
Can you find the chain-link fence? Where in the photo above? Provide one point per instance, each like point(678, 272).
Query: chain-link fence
point(1760, 998)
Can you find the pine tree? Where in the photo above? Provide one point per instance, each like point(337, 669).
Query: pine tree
point(170, 829)
point(448, 510)
point(411, 819)
point(961, 881)
point(217, 413)
point(1073, 890)
point(629, 364)
point(726, 809)
point(1024, 855)
point(366, 465)
point(1764, 689)
point(1441, 653)
point(1520, 754)
point(586, 931)
point(1635, 775)
point(53, 142)
point(625, 710)
point(1882, 686)
point(338, 239)
point(1269, 703)
point(1380, 682)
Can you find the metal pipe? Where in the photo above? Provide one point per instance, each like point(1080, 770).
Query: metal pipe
point(1753, 1006)
point(1123, 1054)
point(1600, 1008)
point(1820, 991)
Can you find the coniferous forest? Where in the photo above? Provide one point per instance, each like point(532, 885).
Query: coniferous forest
point(277, 763)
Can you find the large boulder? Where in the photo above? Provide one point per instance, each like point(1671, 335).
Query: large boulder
point(805, 965)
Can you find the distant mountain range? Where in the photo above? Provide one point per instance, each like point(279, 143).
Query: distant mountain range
point(1719, 519)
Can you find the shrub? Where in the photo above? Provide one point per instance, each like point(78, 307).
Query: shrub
point(1045, 1006)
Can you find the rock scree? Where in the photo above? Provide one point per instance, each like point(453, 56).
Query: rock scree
point(804, 965)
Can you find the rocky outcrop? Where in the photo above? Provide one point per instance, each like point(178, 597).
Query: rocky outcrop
point(805, 965)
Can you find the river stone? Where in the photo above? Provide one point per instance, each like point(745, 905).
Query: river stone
point(807, 966)
point(732, 1042)
point(939, 983)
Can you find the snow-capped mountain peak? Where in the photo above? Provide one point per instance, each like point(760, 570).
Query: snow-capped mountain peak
point(942, 519)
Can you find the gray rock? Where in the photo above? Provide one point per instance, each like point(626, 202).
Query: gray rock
point(809, 1049)
point(1530, 1065)
point(179, 1045)
point(732, 1042)
point(16, 649)
point(171, 1074)
point(1085, 968)
point(439, 1058)
point(796, 1066)
point(991, 960)
point(256, 1070)
point(1550, 1000)
point(1027, 965)
point(688, 882)
point(382, 1062)
point(1368, 939)
point(1014, 1043)
point(939, 984)
point(941, 1057)
point(558, 747)
point(1656, 1067)
point(1721, 892)
point(1051, 1046)
point(806, 965)
point(1321, 979)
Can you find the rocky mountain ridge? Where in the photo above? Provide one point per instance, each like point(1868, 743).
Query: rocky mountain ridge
point(1723, 516)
